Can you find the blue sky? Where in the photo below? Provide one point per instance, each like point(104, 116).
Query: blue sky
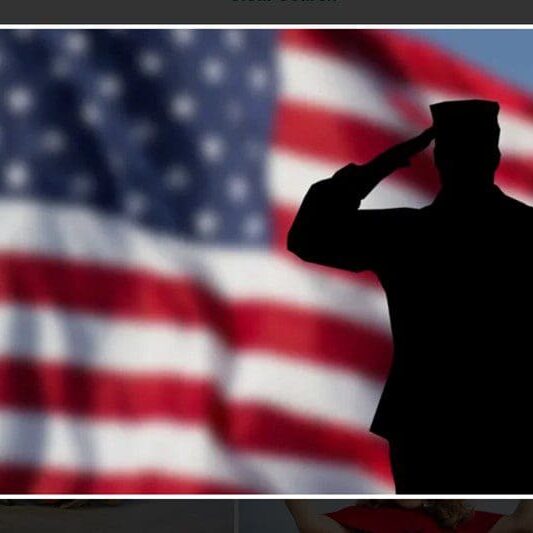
point(507, 52)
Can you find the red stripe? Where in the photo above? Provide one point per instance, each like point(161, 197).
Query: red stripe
point(242, 426)
point(295, 332)
point(325, 134)
point(302, 437)
point(43, 480)
point(406, 59)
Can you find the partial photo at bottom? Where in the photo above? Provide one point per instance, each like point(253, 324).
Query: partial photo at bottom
point(265, 516)
point(117, 516)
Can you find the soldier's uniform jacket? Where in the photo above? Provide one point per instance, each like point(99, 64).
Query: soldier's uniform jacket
point(458, 275)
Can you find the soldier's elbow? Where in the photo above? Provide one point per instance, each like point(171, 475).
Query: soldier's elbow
point(293, 242)
point(300, 251)
point(299, 246)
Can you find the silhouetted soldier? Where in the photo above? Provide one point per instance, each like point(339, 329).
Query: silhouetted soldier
point(458, 275)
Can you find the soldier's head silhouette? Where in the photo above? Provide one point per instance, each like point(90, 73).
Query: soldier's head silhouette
point(466, 143)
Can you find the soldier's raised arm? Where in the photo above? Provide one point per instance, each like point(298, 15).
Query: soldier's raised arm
point(329, 229)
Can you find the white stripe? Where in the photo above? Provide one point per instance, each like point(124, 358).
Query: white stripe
point(168, 449)
point(355, 89)
point(516, 136)
point(336, 85)
point(291, 175)
point(314, 391)
point(236, 274)
point(128, 347)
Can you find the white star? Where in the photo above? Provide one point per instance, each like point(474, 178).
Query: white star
point(235, 40)
point(253, 226)
point(77, 42)
point(17, 174)
point(183, 107)
point(183, 37)
point(82, 184)
point(150, 63)
point(212, 148)
point(20, 100)
point(258, 78)
point(110, 86)
point(213, 70)
point(206, 222)
point(53, 141)
point(135, 204)
point(238, 188)
point(91, 113)
point(177, 177)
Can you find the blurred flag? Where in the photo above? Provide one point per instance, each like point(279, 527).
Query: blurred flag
point(155, 336)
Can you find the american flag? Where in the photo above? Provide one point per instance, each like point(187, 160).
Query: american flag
point(155, 334)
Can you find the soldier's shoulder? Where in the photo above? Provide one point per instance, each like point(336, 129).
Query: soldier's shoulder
point(517, 205)
point(520, 204)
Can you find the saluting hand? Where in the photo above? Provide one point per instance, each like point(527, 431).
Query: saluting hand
point(365, 177)
point(400, 154)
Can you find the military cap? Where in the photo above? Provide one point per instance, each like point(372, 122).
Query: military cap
point(463, 118)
